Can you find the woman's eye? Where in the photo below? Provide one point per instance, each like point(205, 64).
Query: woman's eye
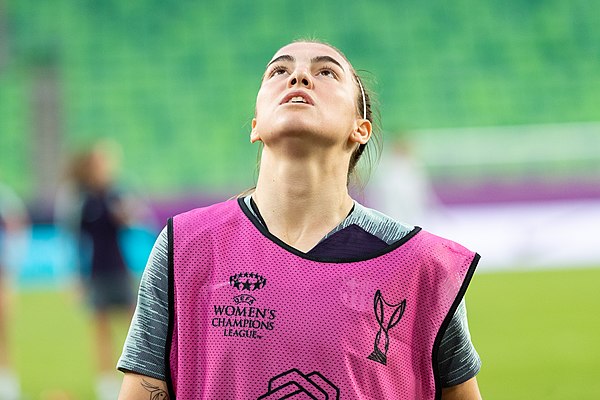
point(277, 71)
point(327, 72)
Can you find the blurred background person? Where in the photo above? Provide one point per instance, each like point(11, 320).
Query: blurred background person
point(13, 223)
point(67, 206)
point(400, 186)
point(95, 212)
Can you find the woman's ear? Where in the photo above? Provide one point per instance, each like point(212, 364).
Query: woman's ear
point(362, 133)
point(254, 135)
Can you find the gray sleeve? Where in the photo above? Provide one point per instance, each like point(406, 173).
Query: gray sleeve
point(144, 349)
point(457, 359)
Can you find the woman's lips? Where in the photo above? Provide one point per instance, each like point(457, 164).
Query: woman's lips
point(297, 97)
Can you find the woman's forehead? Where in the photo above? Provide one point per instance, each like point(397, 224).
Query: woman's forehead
point(310, 50)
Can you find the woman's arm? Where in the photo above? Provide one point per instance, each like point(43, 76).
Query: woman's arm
point(468, 390)
point(140, 387)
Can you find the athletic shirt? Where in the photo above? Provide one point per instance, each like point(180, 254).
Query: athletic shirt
point(363, 233)
point(99, 229)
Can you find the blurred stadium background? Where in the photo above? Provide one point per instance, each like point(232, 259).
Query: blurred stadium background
point(498, 98)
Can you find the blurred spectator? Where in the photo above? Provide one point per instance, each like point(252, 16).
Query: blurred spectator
point(94, 212)
point(400, 187)
point(13, 223)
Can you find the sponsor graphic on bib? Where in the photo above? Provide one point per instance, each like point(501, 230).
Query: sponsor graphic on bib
point(385, 324)
point(293, 384)
point(243, 318)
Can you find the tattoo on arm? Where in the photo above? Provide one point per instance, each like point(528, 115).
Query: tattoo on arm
point(156, 393)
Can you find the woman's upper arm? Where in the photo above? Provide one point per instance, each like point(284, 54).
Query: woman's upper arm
point(458, 360)
point(140, 387)
point(468, 390)
point(144, 348)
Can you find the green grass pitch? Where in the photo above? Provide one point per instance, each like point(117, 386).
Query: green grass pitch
point(538, 334)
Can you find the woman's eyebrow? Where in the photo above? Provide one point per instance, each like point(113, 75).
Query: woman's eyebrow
point(326, 59)
point(314, 60)
point(284, 57)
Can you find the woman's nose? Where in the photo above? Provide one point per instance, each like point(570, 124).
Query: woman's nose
point(300, 78)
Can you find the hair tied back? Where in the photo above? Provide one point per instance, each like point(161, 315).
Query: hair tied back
point(364, 100)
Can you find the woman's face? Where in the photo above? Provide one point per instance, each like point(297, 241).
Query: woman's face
point(307, 92)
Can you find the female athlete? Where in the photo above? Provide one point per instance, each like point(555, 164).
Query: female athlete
point(296, 290)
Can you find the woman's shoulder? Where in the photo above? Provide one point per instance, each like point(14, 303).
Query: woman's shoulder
point(215, 210)
point(391, 230)
point(377, 223)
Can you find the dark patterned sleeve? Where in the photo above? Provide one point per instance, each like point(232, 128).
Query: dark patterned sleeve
point(144, 348)
point(458, 360)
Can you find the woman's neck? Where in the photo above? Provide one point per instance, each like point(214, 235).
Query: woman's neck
point(301, 200)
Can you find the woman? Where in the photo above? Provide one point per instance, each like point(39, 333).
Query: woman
point(297, 291)
point(96, 213)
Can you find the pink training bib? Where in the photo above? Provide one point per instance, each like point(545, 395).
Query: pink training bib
point(252, 320)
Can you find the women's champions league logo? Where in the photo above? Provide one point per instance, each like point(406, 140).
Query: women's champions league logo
point(243, 320)
point(385, 324)
point(246, 281)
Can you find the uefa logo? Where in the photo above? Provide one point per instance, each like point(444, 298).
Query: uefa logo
point(249, 281)
point(246, 282)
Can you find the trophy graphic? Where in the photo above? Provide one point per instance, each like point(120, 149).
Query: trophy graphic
point(384, 326)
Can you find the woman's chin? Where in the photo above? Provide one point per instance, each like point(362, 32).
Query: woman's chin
point(299, 135)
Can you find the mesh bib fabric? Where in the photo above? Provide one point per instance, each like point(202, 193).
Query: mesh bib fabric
point(251, 319)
